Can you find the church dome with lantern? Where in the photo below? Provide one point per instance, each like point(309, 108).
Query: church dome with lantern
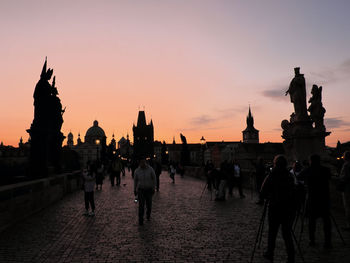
point(95, 134)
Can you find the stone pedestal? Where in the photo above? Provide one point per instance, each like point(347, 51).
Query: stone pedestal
point(303, 140)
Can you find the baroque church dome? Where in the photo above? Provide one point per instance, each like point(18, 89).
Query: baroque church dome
point(95, 132)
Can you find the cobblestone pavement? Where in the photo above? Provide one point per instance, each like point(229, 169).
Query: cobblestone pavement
point(183, 228)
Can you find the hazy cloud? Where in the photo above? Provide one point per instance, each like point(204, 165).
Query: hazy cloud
point(233, 111)
point(202, 120)
point(325, 76)
point(345, 67)
point(276, 93)
point(333, 123)
point(335, 74)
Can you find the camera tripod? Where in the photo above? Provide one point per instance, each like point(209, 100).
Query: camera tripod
point(260, 233)
point(302, 214)
point(211, 192)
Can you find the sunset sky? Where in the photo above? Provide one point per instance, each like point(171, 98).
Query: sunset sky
point(194, 66)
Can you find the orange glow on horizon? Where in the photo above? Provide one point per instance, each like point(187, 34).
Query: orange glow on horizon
point(194, 65)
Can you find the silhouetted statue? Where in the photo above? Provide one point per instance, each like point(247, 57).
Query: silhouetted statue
point(297, 94)
point(301, 137)
point(286, 126)
point(45, 131)
point(316, 108)
point(183, 139)
point(185, 154)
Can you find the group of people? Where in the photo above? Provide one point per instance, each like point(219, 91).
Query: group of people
point(223, 179)
point(302, 189)
point(146, 181)
point(285, 191)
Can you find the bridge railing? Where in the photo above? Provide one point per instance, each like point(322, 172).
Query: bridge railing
point(18, 201)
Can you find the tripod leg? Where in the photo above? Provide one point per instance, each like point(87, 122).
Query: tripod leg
point(259, 233)
point(203, 191)
point(303, 219)
point(337, 228)
point(296, 220)
point(262, 224)
point(298, 246)
point(251, 186)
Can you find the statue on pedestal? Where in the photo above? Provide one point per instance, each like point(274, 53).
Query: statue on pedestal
point(297, 94)
point(185, 153)
point(45, 131)
point(301, 138)
point(316, 108)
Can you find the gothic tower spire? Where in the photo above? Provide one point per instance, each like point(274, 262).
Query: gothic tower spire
point(250, 134)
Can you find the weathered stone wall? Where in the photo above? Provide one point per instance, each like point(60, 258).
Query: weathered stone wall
point(17, 201)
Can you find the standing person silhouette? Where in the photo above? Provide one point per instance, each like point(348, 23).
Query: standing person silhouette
point(345, 180)
point(317, 180)
point(89, 183)
point(278, 188)
point(157, 167)
point(144, 184)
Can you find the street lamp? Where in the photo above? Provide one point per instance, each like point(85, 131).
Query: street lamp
point(97, 142)
point(203, 142)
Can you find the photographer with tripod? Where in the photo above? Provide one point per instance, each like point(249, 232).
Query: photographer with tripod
point(279, 191)
point(317, 179)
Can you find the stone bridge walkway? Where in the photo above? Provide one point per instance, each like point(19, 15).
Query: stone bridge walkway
point(183, 228)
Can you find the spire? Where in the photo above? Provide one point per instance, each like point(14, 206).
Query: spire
point(46, 74)
point(43, 72)
point(141, 120)
point(250, 119)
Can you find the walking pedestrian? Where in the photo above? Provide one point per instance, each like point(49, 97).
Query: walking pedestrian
point(157, 167)
point(237, 178)
point(99, 174)
point(89, 183)
point(209, 167)
point(116, 167)
point(144, 184)
point(172, 172)
point(278, 189)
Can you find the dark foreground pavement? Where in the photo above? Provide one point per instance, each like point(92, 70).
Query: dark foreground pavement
point(183, 228)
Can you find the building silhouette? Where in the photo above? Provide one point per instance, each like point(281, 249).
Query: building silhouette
point(94, 146)
point(143, 137)
point(250, 134)
point(124, 147)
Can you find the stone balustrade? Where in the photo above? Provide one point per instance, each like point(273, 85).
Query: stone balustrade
point(18, 201)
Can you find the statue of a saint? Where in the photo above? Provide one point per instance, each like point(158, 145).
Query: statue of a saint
point(297, 92)
point(285, 125)
point(45, 131)
point(316, 108)
point(183, 138)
